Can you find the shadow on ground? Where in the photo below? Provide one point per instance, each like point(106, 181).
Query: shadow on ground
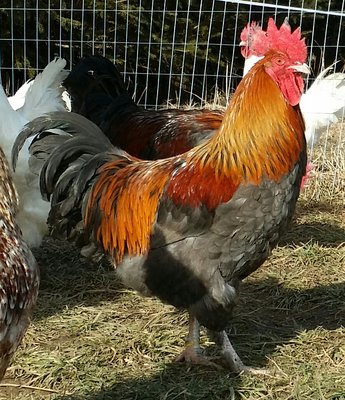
point(67, 280)
point(262, 322)
point(174, 383)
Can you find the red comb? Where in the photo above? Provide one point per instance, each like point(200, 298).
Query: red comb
point(254, 39)
point(284, 40)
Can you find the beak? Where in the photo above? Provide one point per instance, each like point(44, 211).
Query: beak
point(243, 43)
point(302, 68)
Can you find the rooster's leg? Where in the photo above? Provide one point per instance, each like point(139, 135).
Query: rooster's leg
point(193, 353)
point(233, 360)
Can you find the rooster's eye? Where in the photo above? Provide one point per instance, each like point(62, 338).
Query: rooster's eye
point(280, 61)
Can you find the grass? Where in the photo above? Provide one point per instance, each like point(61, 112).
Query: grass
point(93, 339)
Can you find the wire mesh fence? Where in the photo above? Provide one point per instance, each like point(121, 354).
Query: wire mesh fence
point(167, 50)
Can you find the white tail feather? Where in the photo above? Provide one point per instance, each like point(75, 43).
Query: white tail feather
point(17, 101)
point(44, 95)
point(323, 104)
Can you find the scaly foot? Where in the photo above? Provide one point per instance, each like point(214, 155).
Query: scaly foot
point(234, 362)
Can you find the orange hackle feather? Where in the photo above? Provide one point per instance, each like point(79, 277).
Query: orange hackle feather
point(127, 197)
point(261, 140)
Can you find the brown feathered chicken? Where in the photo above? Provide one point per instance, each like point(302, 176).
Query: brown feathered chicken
point(19, 274)
point(187, 229)
point(97, 91)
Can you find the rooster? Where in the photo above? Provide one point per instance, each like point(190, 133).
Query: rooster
point(42, 95)
point(19, 274)
point(187, 229)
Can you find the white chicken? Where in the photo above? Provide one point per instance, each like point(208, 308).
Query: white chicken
point(43, 95)
point(323, 104)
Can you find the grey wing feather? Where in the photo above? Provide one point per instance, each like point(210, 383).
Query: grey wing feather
point(175, 223)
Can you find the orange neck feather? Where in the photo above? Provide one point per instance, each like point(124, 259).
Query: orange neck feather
point(256, 139)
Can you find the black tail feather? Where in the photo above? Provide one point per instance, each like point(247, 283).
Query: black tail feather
point(67, 161)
